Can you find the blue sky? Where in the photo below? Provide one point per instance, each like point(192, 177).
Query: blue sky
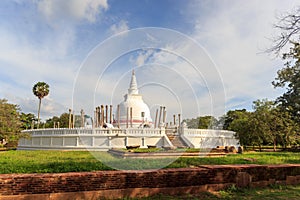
point(59, 41)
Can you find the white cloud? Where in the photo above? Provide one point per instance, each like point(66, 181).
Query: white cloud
point(71, 11)
point(119, 27)
point(235, 34)
point(23, 65)
point(142, 57)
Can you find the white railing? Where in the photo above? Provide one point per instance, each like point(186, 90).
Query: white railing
point(208, 133)
point(96, 131)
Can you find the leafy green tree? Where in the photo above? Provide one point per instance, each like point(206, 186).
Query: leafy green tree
point(27, 120)
point(40, 89)
point(207, 122)
point(239, 121)
point(10, 124)
point(50, 122)
point(203, 122)
point(289, 77)
point(275, 125)
point(264, 127)
point(64, 120)
point(286, 44)
point(230, 116)
point(192, 123)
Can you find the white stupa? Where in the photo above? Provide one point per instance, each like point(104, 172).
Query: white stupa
point(133, 111)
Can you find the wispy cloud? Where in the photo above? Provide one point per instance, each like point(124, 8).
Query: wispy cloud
point(58, 12)
point(119, 27)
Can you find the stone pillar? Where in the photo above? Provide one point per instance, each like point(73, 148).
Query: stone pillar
point(127, 117)
point(32, 124)
point(160, 110)
point(82, 118)
point(174, 120)
point(73, 126)
point(106, 113)
point(164, 115)
point(118, 115)
point(98, 116)
point(102, 116)
point(70, 118)
point(155, 122)
point(110, 115)
point(131, 117)
point(95, 119)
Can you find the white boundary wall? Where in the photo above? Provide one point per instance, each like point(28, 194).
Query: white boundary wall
point(208, 138)
point(104, 139)
point(93, 139)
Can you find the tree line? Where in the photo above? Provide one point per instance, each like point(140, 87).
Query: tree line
point(267, 124)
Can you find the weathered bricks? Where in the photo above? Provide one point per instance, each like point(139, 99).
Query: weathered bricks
point(146, 182)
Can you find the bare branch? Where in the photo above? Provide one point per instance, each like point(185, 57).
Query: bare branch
point(289, 25)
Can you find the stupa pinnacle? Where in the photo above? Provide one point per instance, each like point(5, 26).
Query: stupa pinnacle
point(133, 89)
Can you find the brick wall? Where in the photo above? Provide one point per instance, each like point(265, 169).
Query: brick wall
point(118, 184)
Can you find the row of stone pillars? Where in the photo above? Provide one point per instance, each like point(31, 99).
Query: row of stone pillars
point(72, 119)
point(101, 117)
point(162, 118)
point(104, 114)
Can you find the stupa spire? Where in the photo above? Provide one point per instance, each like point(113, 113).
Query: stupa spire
point(133, 89)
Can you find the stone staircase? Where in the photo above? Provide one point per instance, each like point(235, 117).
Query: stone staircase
point(177, 141)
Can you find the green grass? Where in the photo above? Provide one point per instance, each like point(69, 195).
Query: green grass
point(75, 161)
point(276, 192)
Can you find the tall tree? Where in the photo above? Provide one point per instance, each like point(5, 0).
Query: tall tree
point(289, 76)
point(240, 122)
point(10, 124)
point(40, 89)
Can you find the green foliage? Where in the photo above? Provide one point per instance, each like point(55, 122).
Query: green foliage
point(28, 120)
point(289, 77)
point(207, 122)
point(63, 120)
point(267, 124)
point(203, 122)
point(40, 89)
point(10, 124)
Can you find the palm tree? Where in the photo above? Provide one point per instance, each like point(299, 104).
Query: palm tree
point(40, 89)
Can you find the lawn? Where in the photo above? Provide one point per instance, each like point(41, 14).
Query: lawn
point(276, 192)
point(75, 161)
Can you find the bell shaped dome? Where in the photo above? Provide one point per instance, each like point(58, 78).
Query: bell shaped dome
point(133, 111)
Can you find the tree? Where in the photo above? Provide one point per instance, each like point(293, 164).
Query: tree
point(27, 120)
point(230, 116)
point(289, 76)
point(239, 121)
point(192, 123)
point(207, 122)
point(289, 26)
point(10, 124)
point(40, 89)
point(50, 122)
